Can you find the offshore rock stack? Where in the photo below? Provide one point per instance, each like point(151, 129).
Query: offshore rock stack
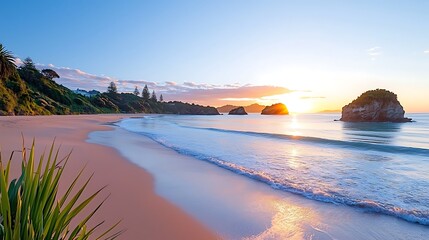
point(378, 105)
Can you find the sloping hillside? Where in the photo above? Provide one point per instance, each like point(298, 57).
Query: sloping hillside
point(27, 91)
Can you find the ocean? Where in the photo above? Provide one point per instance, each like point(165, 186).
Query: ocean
point(376, 167)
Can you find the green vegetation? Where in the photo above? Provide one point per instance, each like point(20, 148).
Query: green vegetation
point(176, 107)
point(30, 207)
point(7, 63)
point(153, 97)
point(136, 91)
point(28, 91)
point(145, 93)
point(50, 74)
point(375, 95)
point(112, 88)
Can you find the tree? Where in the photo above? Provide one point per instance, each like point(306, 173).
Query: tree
point(161, 98)
point(136, 91)
point(145, 93)
point(49, 73)
point(153, 97)
point(7, 63)
point(28, 64)
point(28, 72)
point(112, 88)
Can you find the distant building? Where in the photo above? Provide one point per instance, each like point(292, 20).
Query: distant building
point(86, 93)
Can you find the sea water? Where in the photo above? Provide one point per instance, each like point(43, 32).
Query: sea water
point(377, 167)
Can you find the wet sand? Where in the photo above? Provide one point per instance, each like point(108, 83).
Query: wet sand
point(144, 214)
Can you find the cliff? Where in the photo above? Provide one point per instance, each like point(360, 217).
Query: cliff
point(378, 105)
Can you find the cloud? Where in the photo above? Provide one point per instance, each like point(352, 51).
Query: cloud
point(18, 62)
point(240, 99)
point(426, 52)
point(171, 83)
point(374, 52)
point(76, 78)
point(201, 93)
point(220, 95)
point(312, 97)
point(200, 85)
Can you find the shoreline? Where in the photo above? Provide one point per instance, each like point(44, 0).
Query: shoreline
point(238, 207)
point(144, 213)
point(161, 194)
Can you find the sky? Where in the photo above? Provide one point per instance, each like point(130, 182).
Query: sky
point(310, 55)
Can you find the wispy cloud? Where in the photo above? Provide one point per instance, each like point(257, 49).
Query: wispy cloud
point(220, 95)
point(312, 97)
point(374, 52)
point(18, 61)
point(201, 93)
point(240, 99)
point(426, 52)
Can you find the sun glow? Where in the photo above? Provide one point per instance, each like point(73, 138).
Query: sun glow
point(294, 102)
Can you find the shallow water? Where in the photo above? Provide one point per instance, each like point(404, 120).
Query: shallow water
point(378, 167)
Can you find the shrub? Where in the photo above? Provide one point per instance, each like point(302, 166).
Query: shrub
point(375, 95)
point(31, 209)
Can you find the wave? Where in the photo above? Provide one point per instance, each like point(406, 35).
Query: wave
point(324, 141)
point(416, 216)
point(328, 196)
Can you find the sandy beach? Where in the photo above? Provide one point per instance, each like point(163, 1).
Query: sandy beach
point(144, 214)
point(161, 194)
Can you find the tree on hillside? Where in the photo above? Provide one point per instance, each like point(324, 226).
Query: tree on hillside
point(7, 63)
point(136, 91)
point(28, 71)
point(49, 73)
point(161, 98)
point(153, 97)
point(28, 64)
point(145, 93)
point(112, 88)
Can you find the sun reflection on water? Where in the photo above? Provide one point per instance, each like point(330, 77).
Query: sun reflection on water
point(292, 222)
point(293, 160)
point(295, 126)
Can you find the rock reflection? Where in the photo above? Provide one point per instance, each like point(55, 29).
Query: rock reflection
point(379, 133)
point(372, 127)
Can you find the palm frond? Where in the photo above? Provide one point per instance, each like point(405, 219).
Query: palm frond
point(7, 63)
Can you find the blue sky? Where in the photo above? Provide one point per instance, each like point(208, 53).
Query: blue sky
point(326, 52)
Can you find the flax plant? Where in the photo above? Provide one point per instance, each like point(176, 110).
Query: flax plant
point(30, 207)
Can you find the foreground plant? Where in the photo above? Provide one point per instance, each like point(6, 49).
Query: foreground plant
point(31, 209)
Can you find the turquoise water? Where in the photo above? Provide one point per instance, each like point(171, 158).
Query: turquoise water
point(378, 167)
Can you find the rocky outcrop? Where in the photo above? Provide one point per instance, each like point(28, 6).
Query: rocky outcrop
point(275, 109)
point(238, 111)
point(377, 105)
